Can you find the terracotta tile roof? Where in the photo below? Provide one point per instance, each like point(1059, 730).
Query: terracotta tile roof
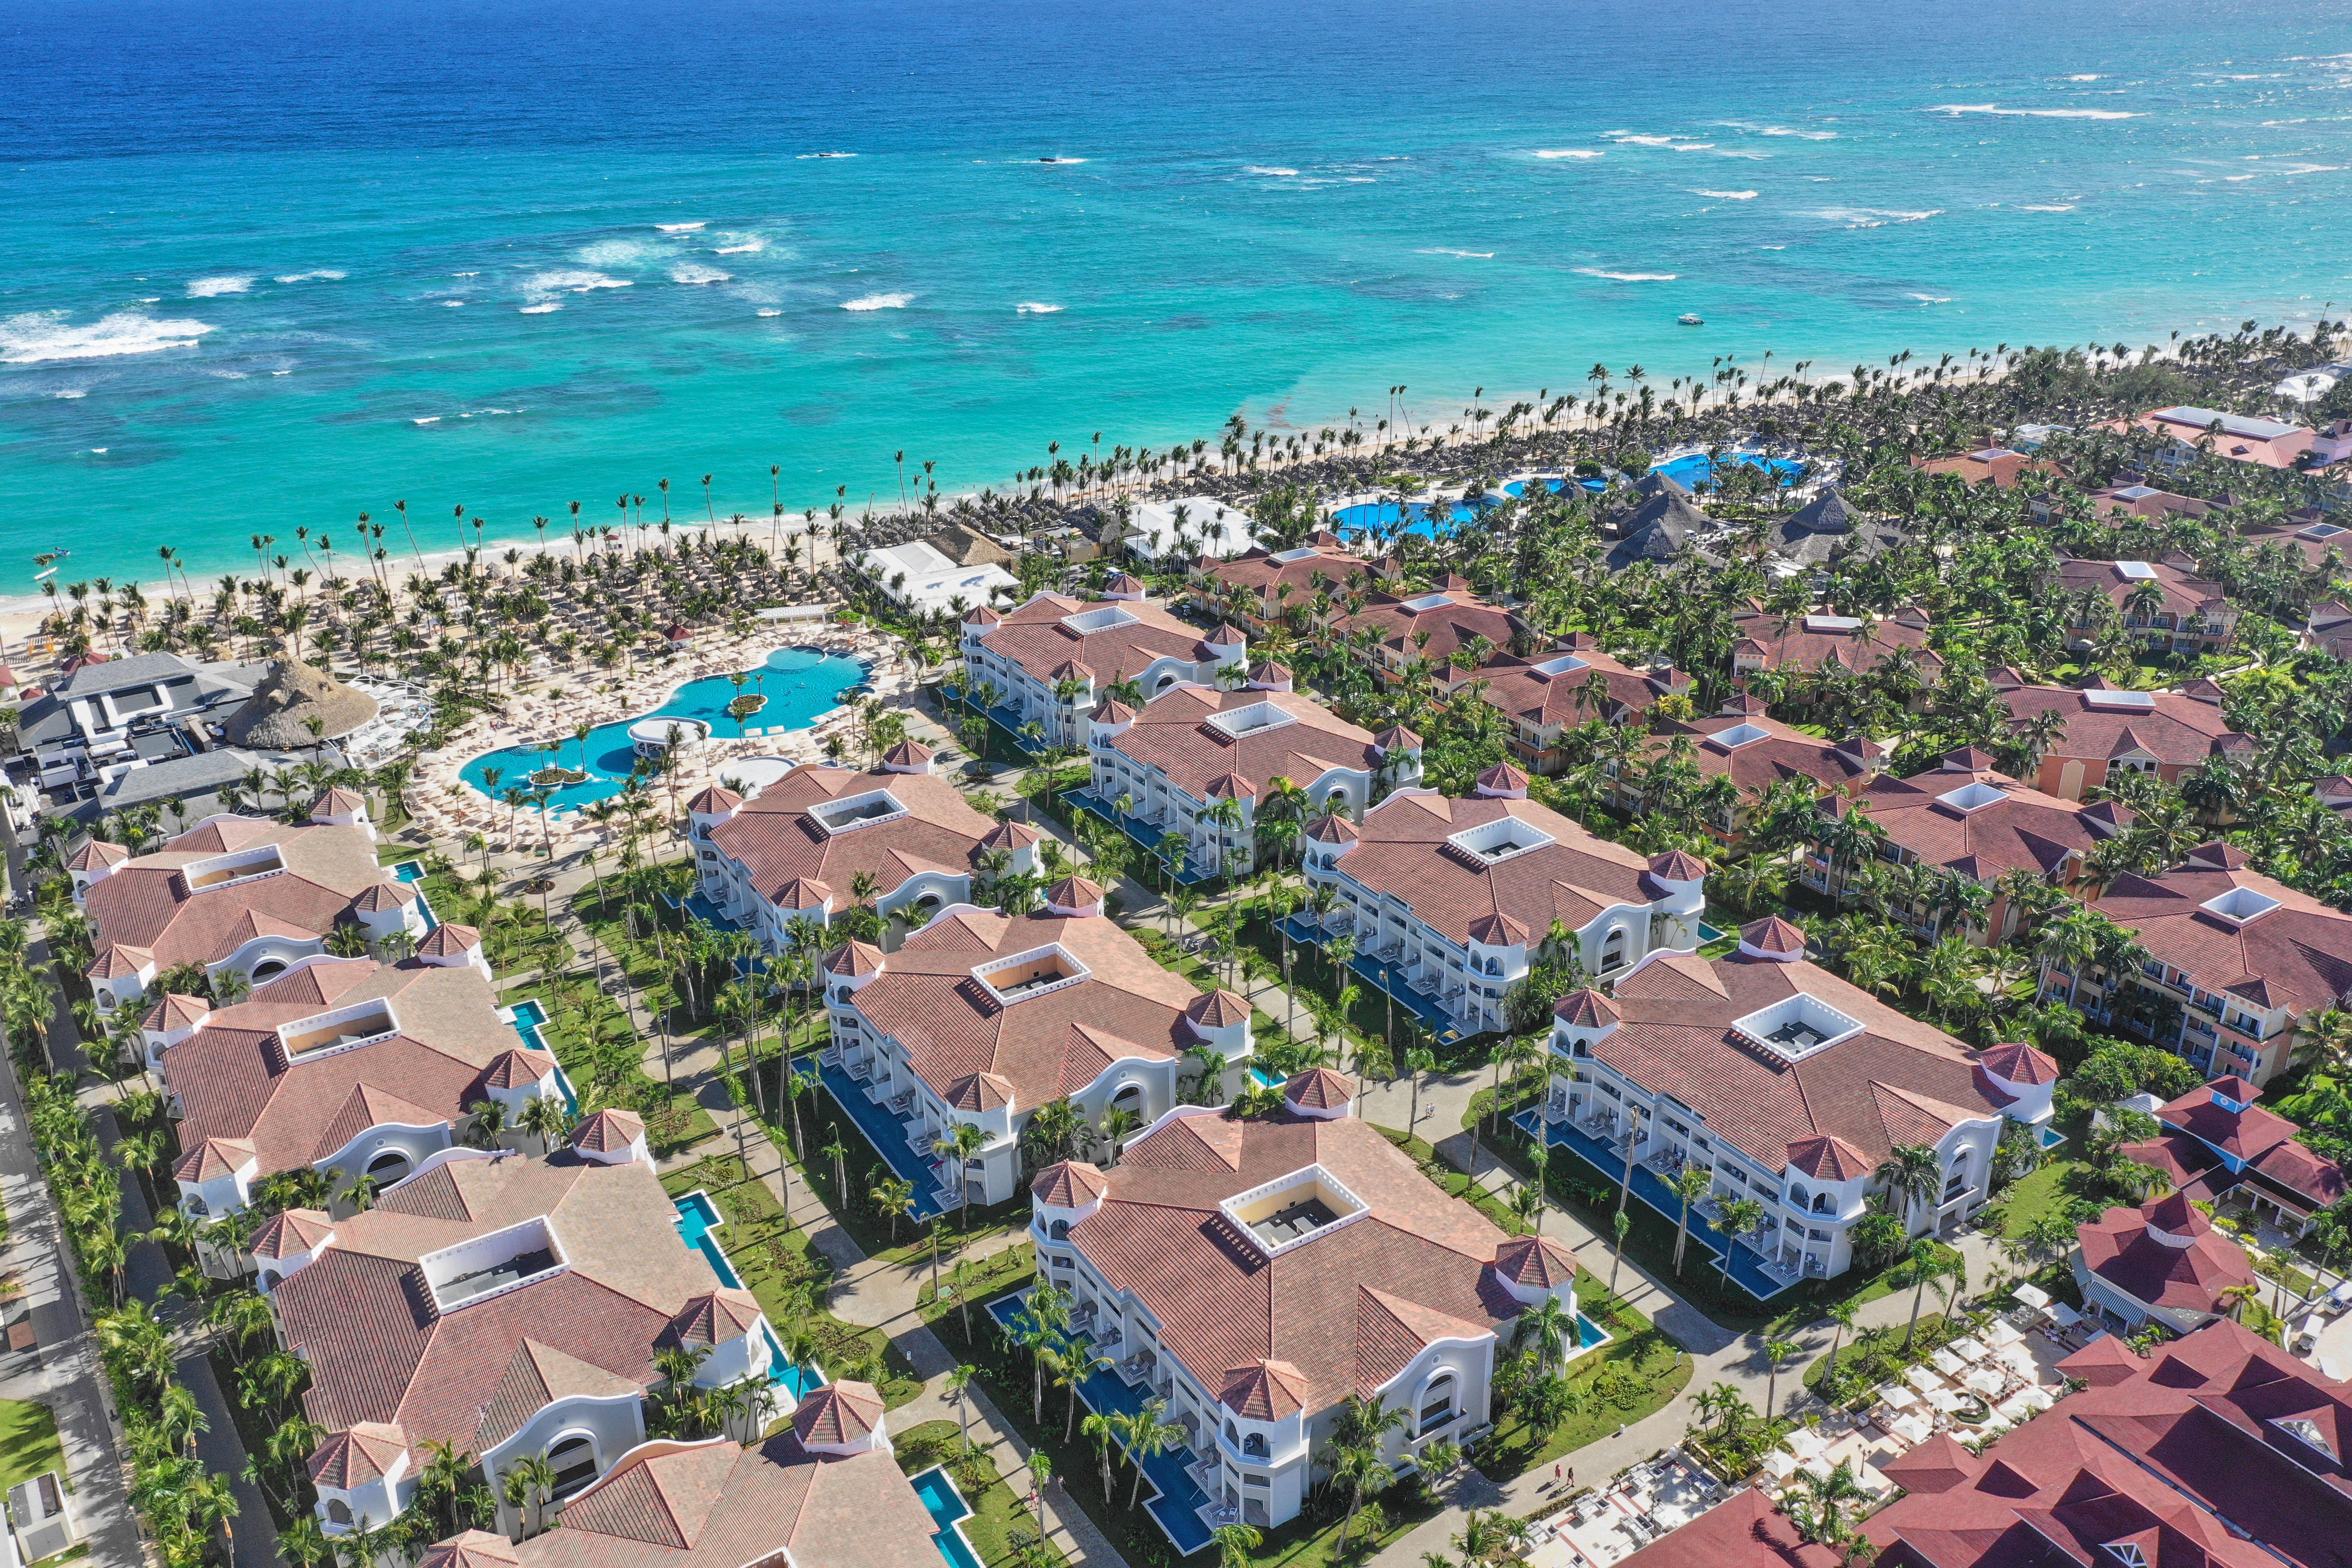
point(538, 1376)
point(1175, 734)
point(514, 1068)
point(1221, 1305)
point(2025, 831)
point(213, 1158)
point(380, 1350)
point(233, 1081)
point(715, 1317)
point(2175, 730)
point(672, 1504)
point(1397, 738)
point(1401, 849)
point(1068, 1184)
point(290, 1231)
point(1827, 1159)
point(2157, 1453)
point(980, 1092)
point(854, 958)
point(1898, 1081)
point(1218, 1009)
point(1263, 1391)
point(474, 1549)
point(1938, 1465)
point(1044, 1046)
point(2184, 595)
point(329, 871)
point(1037, 638)
point(1598, 687)
point(2016, 1062)
point(1745, 1532)
point(907, 754)
point(1536, 1262)
point(841, 1412)
point(1258, 571)
point(1333, 829)
point(2119, 1249)
point(95, 853)
point(1319, 1088)
point(1677, 865)
point(1774, 935)
point(1781, 753)
point(609, 1130)
point(1497, 931)
point(713, 800)
point(449, 939)
point(367, 1452)
point(176, 1012)
point(1587, 1008)
point(776, 840)
point(1451, 626)
point(1815, 642)
point(2297, 955)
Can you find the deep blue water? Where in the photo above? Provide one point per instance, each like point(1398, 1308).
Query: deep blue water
point(413, 250)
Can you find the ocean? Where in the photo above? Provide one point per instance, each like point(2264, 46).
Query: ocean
point(266, 266)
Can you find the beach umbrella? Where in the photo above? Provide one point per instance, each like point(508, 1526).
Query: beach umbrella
point(1945, 1362)
point(1924, 1379)
point(1967, 1349)
point(2032, 1296)
point(1987, 1381)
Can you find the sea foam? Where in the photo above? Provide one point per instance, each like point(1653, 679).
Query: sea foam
point(1267, 169)
point(1957, 110)
point(695, 272)
point(678, 227)
point(1030, 308)
point(38, 336)
point(1566, 152)
point(1873, 217)
point(574, 281)
point(879, 302)
point(324, 275)
point(544, 307)
point(1727, 195)
point(213, 288)
point(1444, 250)
point(1627, 277)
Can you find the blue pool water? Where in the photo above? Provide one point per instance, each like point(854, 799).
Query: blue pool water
point(529, 1015)
point(946, 1506)
point(799, 684)
point(1693, 469)
point(887, 1134)
point(409, 871)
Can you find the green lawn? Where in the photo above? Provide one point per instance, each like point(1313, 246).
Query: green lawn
point(2053, 1189)
point(28, 1442)
point(1636, 1375)
point(1000, 1525)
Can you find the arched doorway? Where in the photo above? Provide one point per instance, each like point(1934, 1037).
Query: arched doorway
point(573, 1459)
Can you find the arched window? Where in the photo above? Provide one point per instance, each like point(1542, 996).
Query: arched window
point(269, 1279)
point(574, 1460)
point(1613, 951)
point(1128, 1097)
point(390, 1165)
point(268, 969)
point(338, 1512)
point(1797, 1195)
point(1254, 1446)
point(1059, 1230)
point(1436, 1404)
point(1821, 1203)
point(1233, 1434)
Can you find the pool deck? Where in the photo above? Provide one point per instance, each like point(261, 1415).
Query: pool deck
point(1383, 977)
point(887, 1134)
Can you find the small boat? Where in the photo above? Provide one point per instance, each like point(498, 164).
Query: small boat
point(1690, 319)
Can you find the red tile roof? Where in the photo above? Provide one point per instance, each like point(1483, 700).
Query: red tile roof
point(1401, 849)
point(2016, 1062)
point(365, 1453)
point(329, 871)
point(1218, 1009)
point(1263, 1391)
point(1259, 572)
point(1536, 1262)
point(2297, 956)
point(289, 1232)
point(1815, 642)
point(2118, 1247)
point(1340, 1305)
point(473, 1549)
point(1828, 1158)
point(1175, 734)
point(1044, 1046)
point(2182, 1455)
point(841, 1411)
point(234, 1082)
point(1747, 1530)
point(1068, 1184)
point(713, 1505)
point(776, 840)
point(1898, 1081)
point(1586, 1008)
point(2184, 595)
point(1779, 754)
point(2024, 831)
point(1037, 638)
point(1319, 1088)
point(609, 1130)
point(1451, 626)
point(2175, 730)
point(1600, 687)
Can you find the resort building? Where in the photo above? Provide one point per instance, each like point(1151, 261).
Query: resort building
point(238, 895)
point(2138, 500)
point(2308, 537)
point(344, 1066)
point(829, 1493)
point(1823, 533)
point(1448, 902)
point(1790, 1087)
point(107, 720)
point(923, 576)
point(2158, 602)
point(823, 839)
point(1193, 526)
point(1171, 762)
point(2162, 1262)
point(1261, 588)
point(1256, 1274)
point(2001, 467)
point(2218, 1146)
point(1431, 628)
point(510, 1307)
point(1052, 659)
point(1657, 530)
point(979, 1018)
point(1769, 640)
point(2329, 629)
point(2101, 728)
point(2241, 437)
point(1754, 752)
point(1546, 695)
point(2236, 964)
point(2218, 1449)
point(1973, 823)
point(1746, 1530)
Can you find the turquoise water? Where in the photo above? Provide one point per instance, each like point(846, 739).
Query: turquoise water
point(409, 871)
point(269, 266)
point(946, 1505)
point(799, 685)
point(698, 1217)
point(1694, 468)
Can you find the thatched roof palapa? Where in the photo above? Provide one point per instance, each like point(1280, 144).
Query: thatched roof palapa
point(273, 718)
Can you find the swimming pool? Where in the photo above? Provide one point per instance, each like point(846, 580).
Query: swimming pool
point(946, 1506)
point(698, 1217)
point(799, 684)
point(1693, 468)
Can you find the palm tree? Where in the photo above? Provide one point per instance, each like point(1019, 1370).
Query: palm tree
point(1689, 1184)
point(1913, 1177)
point(1234, 1544)
point(958, 1388)
point(1840, 1313)
point(1776, 1355)
point(1148, 1434)
point(1926, 1262)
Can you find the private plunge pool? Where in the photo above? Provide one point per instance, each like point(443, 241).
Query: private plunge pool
point(698, 1217)
point(799, 685)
